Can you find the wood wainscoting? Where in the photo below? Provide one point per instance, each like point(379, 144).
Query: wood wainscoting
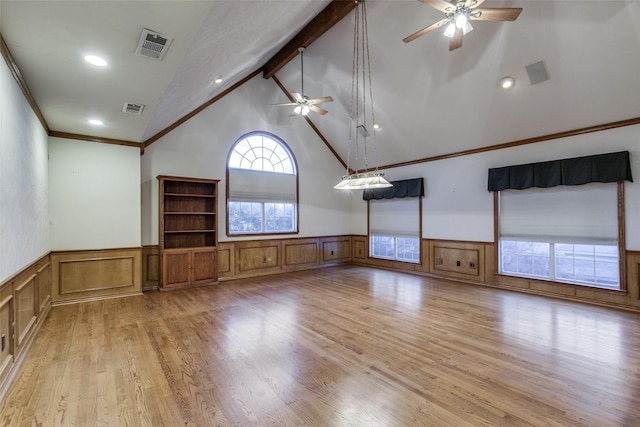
point(150, 267)
point(465, 261)
point(260, 257)
point(95, 274)
point(25, 301)
point(628, 299)
point(474, 262)
point(251, 258)
point(462, 260)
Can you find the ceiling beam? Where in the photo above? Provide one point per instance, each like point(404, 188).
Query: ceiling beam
point(313, 126)
point(330, 15)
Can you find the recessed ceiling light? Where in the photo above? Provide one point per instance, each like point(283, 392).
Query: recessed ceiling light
point(218, 80)
point(376, 126)
point(95, 60)
point(507, 82)
point(96, 122)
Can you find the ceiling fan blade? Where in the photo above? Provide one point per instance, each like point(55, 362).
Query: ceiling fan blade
point(470, 4)
point(441, 5)
point(285, 104)
point(296, 96)
point(318, 110)
point(320, 100)
point(425, 30)
point(456, 40)
point(496, 14)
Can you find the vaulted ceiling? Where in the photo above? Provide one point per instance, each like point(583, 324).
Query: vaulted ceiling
point(428, 101)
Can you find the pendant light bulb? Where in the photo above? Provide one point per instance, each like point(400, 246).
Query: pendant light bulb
point(461, 20)
point(450, 31)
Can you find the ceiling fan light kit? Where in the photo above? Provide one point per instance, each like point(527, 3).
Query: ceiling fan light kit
point(458, 13)
point(303, 104)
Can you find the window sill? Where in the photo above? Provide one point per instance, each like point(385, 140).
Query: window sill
point(279, 233)
point(565, 284)
point(395, 260)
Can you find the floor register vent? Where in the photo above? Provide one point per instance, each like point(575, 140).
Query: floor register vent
point(153, 45)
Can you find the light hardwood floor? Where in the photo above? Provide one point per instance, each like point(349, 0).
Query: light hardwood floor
point(345, 346)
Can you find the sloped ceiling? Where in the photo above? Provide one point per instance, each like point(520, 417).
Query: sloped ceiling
point(428, 101)
point(48, 40)
point(431, 102)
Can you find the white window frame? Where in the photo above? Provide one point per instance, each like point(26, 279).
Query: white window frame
point(261, 169)
point(395, 233)
point(553, 243)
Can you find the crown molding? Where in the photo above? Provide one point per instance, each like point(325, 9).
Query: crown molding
point(17, 75)
point(79, 137)
point(543, 138)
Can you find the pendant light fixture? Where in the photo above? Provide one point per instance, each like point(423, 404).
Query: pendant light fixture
point(361, 115)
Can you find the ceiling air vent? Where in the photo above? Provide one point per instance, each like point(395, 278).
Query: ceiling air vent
point(153, 45)
point(132, 108)
point(537, 73)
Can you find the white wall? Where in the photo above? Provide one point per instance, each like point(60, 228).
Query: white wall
point(94, 195)
point(457, 205)
point(24, 229)
point(199, 148)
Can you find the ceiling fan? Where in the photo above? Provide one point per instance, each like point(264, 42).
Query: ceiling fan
point(304, 104)
point(458, 13)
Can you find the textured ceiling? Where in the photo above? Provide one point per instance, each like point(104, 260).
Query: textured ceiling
point(431, 102)
point(210, 38)
point(428, 101)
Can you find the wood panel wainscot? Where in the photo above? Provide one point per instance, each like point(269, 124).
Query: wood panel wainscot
point(150, 267)
point(625, 299)
point(6, 342)
point(225, 260)
point(249, 258)
point(257, 257)
point(360, 248)
point(300, 253)
point(462, 260)
point(25, 301)
point(336, 249)
point(95, 274)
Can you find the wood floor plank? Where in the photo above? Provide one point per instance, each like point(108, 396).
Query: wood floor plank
point(337, 346)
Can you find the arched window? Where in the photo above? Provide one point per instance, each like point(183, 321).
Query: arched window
point(262, 186)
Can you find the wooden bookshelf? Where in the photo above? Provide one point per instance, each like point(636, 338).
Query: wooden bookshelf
point(188, 235)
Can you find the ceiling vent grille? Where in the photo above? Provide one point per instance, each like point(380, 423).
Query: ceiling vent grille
point(132, 108)
point(537, 73)
point(153, 45)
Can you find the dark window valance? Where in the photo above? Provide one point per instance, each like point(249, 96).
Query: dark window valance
point(610, 167)
point(404, 188)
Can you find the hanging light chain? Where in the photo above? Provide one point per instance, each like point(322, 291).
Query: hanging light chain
point(368, 59)
point(361, 64)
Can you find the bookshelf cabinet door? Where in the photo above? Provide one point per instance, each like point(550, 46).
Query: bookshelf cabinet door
point(204, 266)
point(175, 268)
